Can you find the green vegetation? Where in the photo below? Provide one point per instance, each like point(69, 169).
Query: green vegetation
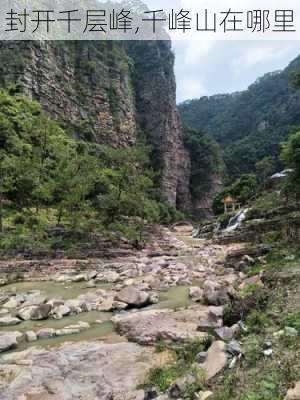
point(50, 181)
point(267, 377)
point(243, 189)
point(291, 157)
point(206, 161)
point(184, 356)
point(249, 125)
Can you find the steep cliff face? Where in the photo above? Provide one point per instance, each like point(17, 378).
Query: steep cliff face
point(108, 92)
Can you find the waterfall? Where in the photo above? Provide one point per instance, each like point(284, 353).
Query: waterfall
point(236, 220)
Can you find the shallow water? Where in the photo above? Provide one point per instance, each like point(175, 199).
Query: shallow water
point(173, 298)
point(66, 290)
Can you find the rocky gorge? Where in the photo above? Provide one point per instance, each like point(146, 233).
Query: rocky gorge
point(93, 334)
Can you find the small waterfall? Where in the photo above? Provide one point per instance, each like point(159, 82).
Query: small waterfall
point(236, 220)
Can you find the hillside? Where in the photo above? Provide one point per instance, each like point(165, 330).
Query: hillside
point(250, 124)
point(110, 93)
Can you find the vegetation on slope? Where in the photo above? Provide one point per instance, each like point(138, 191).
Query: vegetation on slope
point(249, 125)
point(50, 180)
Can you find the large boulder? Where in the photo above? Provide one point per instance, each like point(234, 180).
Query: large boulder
point(9, 340)
point(25, 312)
point(41, 312)
point(149, 326)
point(214, 293)
point(93, 370)
point(133, 297)
point(60, 311)
point(8, 320)
point(216, 359)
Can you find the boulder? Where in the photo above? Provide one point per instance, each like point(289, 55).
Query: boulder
point(216, 359)
point(214, 293)
point(294, 393)
point(60, 311)
point(34, 299)
point(8, 320)
point(196, 293)
point(25, 312)
point(30, 336)
point(133, 297)
point(9, 340)
point(234, 348)
point(67, 331)
point(79, 278)
point(11, 303)
point(93, 370)
point(46, 333)
point(224, 333)
point(41, 312)
point(148, 326)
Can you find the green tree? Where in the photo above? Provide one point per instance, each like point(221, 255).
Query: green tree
point(291, 157)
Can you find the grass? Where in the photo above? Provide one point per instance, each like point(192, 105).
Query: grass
point(162, 378)
point(257, 376)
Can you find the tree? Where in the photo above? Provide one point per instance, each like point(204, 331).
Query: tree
point(264, 169)
point(291, 157)
point(206, 161)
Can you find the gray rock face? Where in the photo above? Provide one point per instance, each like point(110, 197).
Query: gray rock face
point(76, 371)
point(214, 293)
point(146, 327)
point(216, 359)
point(9, 340)
point(41, 312)
point(132, 296)
point(8, 320)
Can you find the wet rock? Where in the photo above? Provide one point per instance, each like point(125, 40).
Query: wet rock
point(133, 297)
point(90, 284)
point(30, 336)
point(216, 359)
point(40, 312)
point(8, 320)
point(46, 333)
point(109, 277)
point(74, 306)
point(214, 294)
point(294, 393)
point(9, 340)
point(60, 311)
point(34, 299)
point(79, 278)
point(11, 303)
point(26, 312)
point(67, 331)
point(196, 293)
point(90, 370)
point(91, 275)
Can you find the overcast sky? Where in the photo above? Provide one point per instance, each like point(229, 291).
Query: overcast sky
point(211, 67)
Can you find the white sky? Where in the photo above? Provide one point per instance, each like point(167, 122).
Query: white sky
point(211, 67)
